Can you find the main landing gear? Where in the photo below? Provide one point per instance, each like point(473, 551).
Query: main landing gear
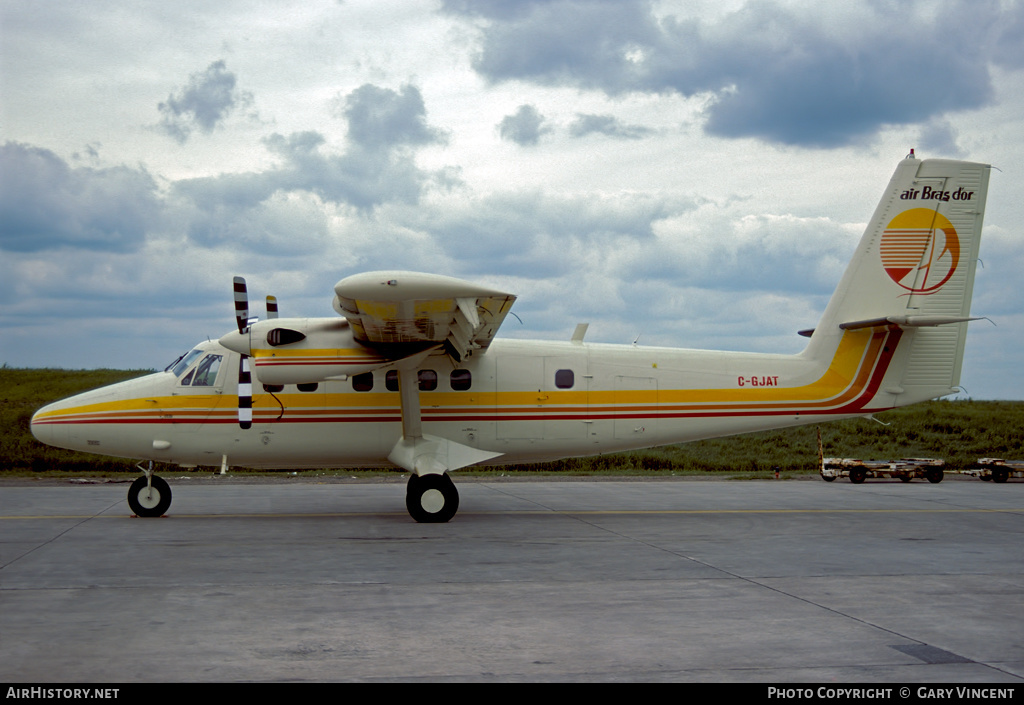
point(431, 499)
point(149, 495)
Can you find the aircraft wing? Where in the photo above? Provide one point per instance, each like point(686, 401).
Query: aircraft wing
point(398, 310)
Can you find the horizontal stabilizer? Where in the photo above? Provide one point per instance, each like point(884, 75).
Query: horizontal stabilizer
point(905, 321)
point(923, 321)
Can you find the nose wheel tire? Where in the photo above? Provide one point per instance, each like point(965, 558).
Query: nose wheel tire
point(431, 499)
point(149, 499)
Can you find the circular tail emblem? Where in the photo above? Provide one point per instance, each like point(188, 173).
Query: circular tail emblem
point(920, 250)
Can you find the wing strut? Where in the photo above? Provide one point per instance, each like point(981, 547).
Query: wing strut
point(420, 453)
point(408, 389)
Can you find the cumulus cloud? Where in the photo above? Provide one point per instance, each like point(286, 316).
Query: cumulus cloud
point(45, 204)
point(607, 125)
point(374, 167)
point(524, 127)
point(776, 72)
point(363, 180)
point(203, 103)
point(939, 139)
point(534, 234)
point(1009, 45)
point(357, 178)
point(380, 118)
point(284, 224)
point(573, 42)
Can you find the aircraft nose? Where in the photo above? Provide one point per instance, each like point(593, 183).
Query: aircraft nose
point(44, 432)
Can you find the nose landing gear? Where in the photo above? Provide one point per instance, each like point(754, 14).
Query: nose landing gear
point(149, 495)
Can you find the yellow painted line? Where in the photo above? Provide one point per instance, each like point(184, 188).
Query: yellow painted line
point(791, 511)
point(558, 512)
point(115, 515)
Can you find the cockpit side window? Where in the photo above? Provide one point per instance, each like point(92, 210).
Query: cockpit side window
point(206, 372)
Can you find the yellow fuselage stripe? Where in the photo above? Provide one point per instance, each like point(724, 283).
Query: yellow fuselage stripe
point(846, 377)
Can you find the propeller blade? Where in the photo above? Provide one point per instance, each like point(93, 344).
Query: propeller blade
point(271, 307)
point(244, 393)
point(241, 305)
point(244, 375)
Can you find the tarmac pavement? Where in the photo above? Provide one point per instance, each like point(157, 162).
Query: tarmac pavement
point(588, 581)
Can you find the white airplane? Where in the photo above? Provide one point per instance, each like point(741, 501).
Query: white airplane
point(410, 374)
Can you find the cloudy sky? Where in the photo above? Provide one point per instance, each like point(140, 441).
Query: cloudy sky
point(686, 173)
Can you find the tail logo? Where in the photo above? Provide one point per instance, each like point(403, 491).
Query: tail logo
point(920, 250)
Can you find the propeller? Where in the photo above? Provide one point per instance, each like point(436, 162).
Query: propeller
point(242, 344)
point(244, 374)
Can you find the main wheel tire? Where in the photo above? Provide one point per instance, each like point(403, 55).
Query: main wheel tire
point(149, 499)
point(1000, 475)
point(857, 475)
point(934, 475)
point(431, 499)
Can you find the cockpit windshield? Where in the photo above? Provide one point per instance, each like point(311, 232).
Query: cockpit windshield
point(182, 363)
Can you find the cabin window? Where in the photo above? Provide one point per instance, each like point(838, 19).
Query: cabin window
point(428, 380)
point(363, 382)
point(564, 379)
point(461, 380)
point(273, 388)
point(206, 372)
point(308, 387)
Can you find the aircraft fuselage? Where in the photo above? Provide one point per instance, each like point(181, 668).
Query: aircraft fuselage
point(530, 401)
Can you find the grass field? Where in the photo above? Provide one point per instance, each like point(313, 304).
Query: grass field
point(956, 431)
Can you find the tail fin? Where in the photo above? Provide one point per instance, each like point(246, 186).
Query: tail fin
point(914, 272)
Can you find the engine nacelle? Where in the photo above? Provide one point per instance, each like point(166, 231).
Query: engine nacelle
point(307, 350)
